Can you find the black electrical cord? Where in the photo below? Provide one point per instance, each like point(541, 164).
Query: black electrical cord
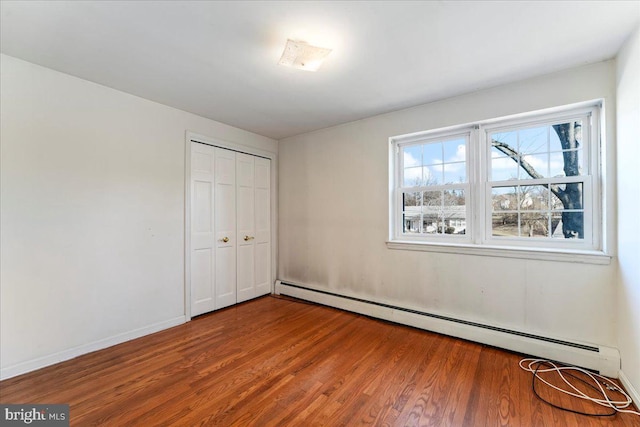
point(533, 387)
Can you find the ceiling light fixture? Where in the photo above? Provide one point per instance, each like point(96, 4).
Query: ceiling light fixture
point(303, 56)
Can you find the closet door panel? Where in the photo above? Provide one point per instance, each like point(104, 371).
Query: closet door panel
point(202, 251)
point(245, 192)
point(225, 224)
point(263, 226)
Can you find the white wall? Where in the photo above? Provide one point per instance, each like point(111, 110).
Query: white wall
point(92, 183)
point(333, 222)
point(628, 176)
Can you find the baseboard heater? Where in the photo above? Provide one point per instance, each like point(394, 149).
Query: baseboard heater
point(605, 360)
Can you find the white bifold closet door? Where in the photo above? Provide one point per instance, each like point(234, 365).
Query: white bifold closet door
point(230, 227)
point(262, 221)
point(224, 218)
point(203, 242)
point(246, 205)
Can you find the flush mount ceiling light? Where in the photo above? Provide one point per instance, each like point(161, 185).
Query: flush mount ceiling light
point(303, 56)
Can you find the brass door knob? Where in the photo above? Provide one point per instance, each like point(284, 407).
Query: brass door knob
point(225, 239)
point(247, 238)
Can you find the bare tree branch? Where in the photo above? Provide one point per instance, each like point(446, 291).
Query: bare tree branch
point(526, 166)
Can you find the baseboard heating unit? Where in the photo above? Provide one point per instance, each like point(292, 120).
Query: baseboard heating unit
point(605, 360)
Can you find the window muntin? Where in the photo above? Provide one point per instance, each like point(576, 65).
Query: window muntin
point(526, 182)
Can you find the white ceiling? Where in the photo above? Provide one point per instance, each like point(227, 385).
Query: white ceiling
point(219, 59)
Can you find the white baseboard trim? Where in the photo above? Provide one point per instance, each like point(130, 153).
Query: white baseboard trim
point(606, 360)
point(41, 362)
point(631, 390)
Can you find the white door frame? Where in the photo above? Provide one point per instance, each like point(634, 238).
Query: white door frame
point(194, 137)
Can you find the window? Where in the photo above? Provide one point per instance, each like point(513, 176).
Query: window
point(434, 186)
point(531, 181)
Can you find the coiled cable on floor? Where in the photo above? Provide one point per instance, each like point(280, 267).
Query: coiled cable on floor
point(596, 382)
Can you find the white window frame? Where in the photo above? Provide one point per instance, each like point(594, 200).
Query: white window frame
point(478, 239)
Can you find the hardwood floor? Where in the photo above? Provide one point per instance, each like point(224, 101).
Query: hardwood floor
point(280, 362)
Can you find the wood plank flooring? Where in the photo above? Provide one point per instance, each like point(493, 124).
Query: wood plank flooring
point(281, 362)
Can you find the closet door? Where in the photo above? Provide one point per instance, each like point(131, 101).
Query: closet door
point(230, 249)
point(263, 226)
point(225, 226)
point(245, 191)
point(202, 248)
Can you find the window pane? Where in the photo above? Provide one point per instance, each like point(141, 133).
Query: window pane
point(455, 173)
point(571, 163)
point(410, 199)
point(432, 154)
point(572, 196)
point(533, 140)
point(565, 136)
point(433, 175)
point(570, 225)
point(556, 164)
point(412, 156)
point(554, 142)
point(568, 205)
point(411, 212)
point(538, 164)
point(455, 167)
point(504, 224)
point(432, 211)
point(534, 224)
point(556, 203)
point(574, 161)
point(504, 199)
point(573, 225)
point(432, 224)
point(504, 168)
point(510, 138)
point(534, 197)
point(432, 201)
point(454, 150)
point(412, 177)
point(454, 212)
point(411, 221)
point(556, 226)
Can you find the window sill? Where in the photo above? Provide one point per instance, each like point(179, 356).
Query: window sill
point(584, 257)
